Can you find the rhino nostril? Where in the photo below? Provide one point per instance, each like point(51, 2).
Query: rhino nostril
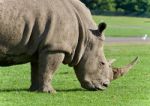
point(106, 83)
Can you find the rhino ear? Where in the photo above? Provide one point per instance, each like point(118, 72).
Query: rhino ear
point(101, 27)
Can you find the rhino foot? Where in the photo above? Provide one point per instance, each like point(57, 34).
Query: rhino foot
point(33, 88)
point(47, 89)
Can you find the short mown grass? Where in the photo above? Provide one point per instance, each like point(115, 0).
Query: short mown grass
point(131, 90)
point(121, 26)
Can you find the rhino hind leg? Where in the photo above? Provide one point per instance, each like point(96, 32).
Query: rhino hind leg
point(48, 64)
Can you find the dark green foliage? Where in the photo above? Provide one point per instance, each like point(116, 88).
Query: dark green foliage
point(125, 6)
point(103, 5)
point(133, 6)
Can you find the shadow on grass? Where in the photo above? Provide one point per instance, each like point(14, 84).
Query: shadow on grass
point(13, 90)
point(27, 90)
point(70, 90)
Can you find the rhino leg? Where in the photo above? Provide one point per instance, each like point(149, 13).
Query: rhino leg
point(34, 76)
point(48, 63)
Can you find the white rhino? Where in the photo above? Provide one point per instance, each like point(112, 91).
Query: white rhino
point(47, 33)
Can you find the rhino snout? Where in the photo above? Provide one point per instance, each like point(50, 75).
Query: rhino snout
point(95, 85)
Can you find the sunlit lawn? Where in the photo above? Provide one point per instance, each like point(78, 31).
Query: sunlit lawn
point(121, 26)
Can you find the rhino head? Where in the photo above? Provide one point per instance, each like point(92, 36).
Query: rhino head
point(93, 71)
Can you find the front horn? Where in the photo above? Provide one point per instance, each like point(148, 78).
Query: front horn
point(121, 71)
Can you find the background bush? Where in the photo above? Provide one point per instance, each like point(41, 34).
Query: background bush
point(135, 7)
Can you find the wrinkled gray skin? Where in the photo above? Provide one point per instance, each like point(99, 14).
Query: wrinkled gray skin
point(47, 33)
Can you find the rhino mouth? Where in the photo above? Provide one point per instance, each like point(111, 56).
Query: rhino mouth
point(100, 87)
point(92, 86)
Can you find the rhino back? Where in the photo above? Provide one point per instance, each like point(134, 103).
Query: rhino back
point(29, 26)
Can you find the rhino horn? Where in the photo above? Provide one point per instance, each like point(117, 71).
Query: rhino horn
point(121, 71)
point(111, 61)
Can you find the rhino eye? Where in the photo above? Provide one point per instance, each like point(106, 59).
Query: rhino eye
point(102, 63)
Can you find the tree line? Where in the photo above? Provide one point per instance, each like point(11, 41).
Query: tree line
point(137, 7)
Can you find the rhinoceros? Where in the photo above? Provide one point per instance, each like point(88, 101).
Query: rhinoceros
point(47, 33)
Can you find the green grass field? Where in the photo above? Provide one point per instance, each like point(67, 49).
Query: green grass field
point(120, 26)
point(131, 90)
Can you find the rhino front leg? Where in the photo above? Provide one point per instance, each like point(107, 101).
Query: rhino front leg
point(48, 64)
point(34, 76)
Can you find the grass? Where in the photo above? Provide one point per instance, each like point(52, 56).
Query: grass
point(121, 26)
point(131, 90)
